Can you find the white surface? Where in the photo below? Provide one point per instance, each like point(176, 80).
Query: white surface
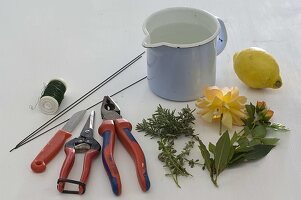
point(86, 41)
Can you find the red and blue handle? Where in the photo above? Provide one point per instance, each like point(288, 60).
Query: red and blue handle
point(107, 131)
point(122, 128)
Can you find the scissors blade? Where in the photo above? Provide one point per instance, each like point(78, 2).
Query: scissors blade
point(90, 122)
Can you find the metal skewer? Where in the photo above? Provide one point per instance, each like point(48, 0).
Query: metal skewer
point(75, 103)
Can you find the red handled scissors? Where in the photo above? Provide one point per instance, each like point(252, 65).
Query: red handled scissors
point(84, 143)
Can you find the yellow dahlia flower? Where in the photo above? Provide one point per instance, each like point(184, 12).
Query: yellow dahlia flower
point(222, 104)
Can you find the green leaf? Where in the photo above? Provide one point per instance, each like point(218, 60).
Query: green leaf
point(244, 149)
point(212, 172)
point(232, 151)
point(211, 148)
point(237, 158)
point(206, 155)
point(269, 141)
point(278, 127)
point(251, 153)
point(222, 151)
point(258, 152)
point(259, 131)
point(234, 138)
point(243, 142)
point(250, 110)
point(247, 131)
point(255, 142)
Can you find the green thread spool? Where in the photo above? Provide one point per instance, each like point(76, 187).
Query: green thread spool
point(52, 96)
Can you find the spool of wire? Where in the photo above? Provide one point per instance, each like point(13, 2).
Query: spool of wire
point(52, 96)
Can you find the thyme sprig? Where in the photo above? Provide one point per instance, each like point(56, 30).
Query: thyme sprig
point(175, 163)
point(166, 126)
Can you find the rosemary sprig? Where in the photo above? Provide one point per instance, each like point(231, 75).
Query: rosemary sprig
point(166, 127)
point(166, 124)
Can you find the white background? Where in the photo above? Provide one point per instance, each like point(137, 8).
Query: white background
point(84, 42)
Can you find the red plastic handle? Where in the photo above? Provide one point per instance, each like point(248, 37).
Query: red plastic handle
point(66, 168)
point(123, 130)
point(49, 151)
point(89, 156)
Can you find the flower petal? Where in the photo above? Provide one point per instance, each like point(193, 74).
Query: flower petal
point(208, 116)
point(238, 103)
point(202, 103)
point(216, 103)
point(234, 92)
point(211, 92)
point(225, 103)
point(227, 96)
point(203, 112)
point(237, 121)
point(238, 113)
point(227, 120)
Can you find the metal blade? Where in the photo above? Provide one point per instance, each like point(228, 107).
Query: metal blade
point(73, 121)
point(87, 131)
point(90, 121)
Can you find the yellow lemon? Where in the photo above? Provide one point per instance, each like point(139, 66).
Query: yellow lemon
point(257, 68)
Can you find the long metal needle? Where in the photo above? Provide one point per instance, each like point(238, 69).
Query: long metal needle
point(36, 136)
point(68, 108)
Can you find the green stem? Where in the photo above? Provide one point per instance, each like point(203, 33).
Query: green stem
point(177, 166)
point(220, 124)
point(214, 180)
point(174, 177)
point(240, 131)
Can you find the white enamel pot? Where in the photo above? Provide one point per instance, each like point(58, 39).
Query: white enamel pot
point(182, 45)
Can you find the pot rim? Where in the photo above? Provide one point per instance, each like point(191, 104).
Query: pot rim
point(158, 44)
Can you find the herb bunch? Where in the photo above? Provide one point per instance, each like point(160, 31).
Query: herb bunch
point(249, 144)
point(166, 126)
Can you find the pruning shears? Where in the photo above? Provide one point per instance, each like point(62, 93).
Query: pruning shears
point(85, 143)
point(113, 124)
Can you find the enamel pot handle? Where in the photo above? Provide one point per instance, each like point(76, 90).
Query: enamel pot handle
point(221, 39)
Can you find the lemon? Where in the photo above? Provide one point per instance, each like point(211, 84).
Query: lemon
point(257, 68)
